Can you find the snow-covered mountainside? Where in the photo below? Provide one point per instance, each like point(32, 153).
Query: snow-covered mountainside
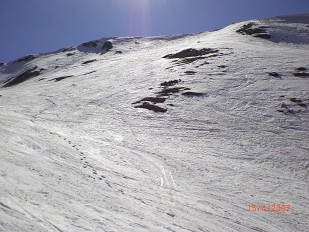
point(203, 132)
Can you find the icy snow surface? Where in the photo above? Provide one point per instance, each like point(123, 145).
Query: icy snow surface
point(77, 155)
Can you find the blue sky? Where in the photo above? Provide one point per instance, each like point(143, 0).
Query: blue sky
point(37, 26)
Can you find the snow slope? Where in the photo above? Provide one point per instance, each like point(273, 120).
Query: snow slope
point(77, 155)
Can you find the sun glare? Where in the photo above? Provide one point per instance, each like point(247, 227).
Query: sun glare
point(139, 17)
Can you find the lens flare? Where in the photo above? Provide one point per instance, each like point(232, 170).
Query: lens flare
point(139, 19)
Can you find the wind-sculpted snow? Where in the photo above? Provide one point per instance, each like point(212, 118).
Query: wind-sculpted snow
point(226, 151)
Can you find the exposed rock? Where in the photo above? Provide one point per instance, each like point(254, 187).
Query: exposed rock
point(190, 72)
point(301, 69)
point(67, 49)
point(170, 83)
point(301, 74)
point(23, 77)
point(25, 59)
point(262, 35)
point(191, 60)
point(169, 91)
point(192, 94)
point(298, 102)
point(283, 105)
point(248, 29)
point(153, 99)
point(108, 45)
point(191, 52)
point(284, 109)
point(170, 214)
point(154, 108)
point(60, 78)
point(90, 44)
point(273, 74)
point(89, 61)
point(293, 99)
point(254, 30)
point(89, 72)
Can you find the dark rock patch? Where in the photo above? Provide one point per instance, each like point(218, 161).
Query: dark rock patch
point(60, 78)
point(67, 49)
point(285, 109)
point(191, 55)
point(301, 69)
point(89, 61)
point(108, 45)
point(90, 44)
point(262, 36)
point(1, 64)
point(273, 74)
point(254, 30)
point(298, 102)
point(170, 214)
point(248, 29)
point(190, 72)
point(23, 77)
point(192, 94)
point(289, 109)
point(283, 105)
point(154, 108)
point(89, 72)
point(191, 52)
point(189, 60)
point(70, 54)
point(118, 52)
point(222, 66)
point(152, 99)
point(170, 83)
point(206, 62)
point(293, 99)
point(169, 91)
point(25, 59)
point(301, 74)
point(302, 104)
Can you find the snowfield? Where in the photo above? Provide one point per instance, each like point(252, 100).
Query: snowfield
point(175, 133)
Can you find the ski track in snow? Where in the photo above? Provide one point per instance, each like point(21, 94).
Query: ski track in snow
point(77, 156)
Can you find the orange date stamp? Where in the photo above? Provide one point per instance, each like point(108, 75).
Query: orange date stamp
point(276, 208)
